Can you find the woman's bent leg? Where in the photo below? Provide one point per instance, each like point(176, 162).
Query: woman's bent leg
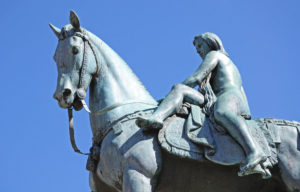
point(170, 106)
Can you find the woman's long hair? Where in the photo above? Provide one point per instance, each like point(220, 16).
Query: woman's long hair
point(209, 95)
point(215, 43)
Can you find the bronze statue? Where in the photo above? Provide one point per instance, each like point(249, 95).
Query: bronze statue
point(231, 106)
point(123, 157)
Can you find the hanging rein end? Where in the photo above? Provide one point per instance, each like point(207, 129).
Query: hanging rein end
point(93, 156)
point(72, 133)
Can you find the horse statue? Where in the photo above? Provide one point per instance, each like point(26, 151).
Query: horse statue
point(123, 157)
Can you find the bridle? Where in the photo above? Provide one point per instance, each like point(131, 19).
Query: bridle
point(81, 93)
point(86, 42)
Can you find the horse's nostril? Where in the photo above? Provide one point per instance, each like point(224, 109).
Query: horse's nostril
point(67, 93)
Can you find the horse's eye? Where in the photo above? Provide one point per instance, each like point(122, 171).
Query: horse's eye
point(75, 50)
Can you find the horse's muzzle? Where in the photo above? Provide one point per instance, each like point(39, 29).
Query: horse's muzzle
point(65, 99)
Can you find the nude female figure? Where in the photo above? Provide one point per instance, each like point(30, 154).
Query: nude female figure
point(230, 107)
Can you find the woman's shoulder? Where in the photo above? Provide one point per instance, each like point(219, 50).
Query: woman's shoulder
point(217, 54)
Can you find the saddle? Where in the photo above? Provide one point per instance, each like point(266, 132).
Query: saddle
point(196, 136)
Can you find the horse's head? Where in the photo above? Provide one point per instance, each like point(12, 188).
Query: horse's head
point(76, 61)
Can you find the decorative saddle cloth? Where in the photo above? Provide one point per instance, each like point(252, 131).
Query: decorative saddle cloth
point(198, 137)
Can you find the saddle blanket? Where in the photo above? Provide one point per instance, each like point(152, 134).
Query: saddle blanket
point(198, 138)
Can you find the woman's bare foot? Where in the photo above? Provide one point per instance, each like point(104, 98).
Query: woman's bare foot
point(149, 123)
point(251, 161)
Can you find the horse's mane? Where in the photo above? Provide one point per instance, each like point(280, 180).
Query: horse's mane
point(101, 45)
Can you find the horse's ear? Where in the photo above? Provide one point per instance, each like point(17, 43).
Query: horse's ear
point(74, 20)
point(55, 30)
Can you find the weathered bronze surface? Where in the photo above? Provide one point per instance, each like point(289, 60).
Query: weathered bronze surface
point(209, 129)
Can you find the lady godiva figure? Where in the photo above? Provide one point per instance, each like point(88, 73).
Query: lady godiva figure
point(231, 106)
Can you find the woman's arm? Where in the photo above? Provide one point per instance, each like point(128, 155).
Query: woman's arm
point(191, 81)
point(209, 63)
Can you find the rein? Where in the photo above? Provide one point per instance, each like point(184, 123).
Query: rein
point(81, 93)
point(71, 133)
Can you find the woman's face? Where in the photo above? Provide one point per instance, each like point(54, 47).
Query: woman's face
point(202, 47)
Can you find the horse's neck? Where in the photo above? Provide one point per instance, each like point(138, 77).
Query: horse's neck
point(116, 84)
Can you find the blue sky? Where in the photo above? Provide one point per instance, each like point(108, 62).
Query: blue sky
point(155, 39)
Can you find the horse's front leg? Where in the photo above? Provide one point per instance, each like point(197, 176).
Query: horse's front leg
point(136, 181)
point(143, 168)
point(97, 185)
